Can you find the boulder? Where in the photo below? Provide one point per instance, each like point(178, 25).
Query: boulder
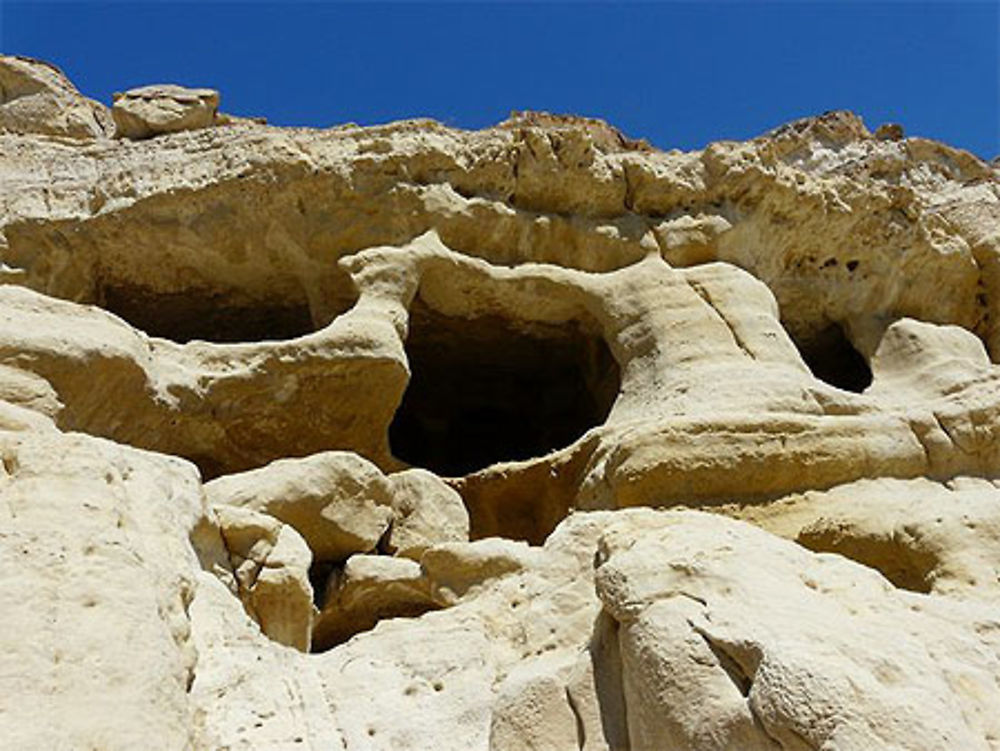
point(150, 111)
point(368, 589)
point(340, 503)
point(426, 511)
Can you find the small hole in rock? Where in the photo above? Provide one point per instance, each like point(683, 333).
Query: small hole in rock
point(832, 358)
point(483, 390)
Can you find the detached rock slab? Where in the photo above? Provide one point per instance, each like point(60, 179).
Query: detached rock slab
point(427, 512)
point(730, 637)
point(270, 564)
point(340, 503)
point(163, 108)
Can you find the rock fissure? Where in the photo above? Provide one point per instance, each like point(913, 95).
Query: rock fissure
point(732, 668)
point(707, 298)
point(948, 432)
point(581, 731)
point(919, 431)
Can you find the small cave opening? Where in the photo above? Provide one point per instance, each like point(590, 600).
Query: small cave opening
point(184, 316)
point(484, 390)
point(833, 359)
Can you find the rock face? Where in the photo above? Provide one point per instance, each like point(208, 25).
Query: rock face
point(35, 97)
point(534, 437)
point(731, 638)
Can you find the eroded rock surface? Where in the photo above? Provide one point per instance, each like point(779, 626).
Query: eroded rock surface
point(165, 108)
point(37, 98)
point(730, 638)
point(344, 438)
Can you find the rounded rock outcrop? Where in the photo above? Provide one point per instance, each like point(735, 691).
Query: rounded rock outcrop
point(153, 110)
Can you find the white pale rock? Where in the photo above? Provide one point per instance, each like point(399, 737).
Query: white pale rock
point(455, 568)
point(249, 692)
point(241, 295)
point(270, 564)
point(368, 589)
point(412, 686)
point(533, 710)
point(426, 511)
point(340, 503)
point(733, 638)
point(922, 535)
point(96, 577)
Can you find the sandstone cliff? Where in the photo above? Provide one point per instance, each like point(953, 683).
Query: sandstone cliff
point(535, 437)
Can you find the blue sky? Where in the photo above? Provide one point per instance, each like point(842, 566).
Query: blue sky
point(678, 74)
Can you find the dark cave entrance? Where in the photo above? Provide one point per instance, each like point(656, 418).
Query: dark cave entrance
point(183, 316)
point(832, 358)
point(483, 391)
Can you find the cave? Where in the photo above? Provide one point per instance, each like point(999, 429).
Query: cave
point(184, 316)
point(484, 390)
point(833, 359)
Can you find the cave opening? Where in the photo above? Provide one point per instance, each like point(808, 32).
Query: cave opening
point(833, 359)
point(484, 390)
point(184, 316)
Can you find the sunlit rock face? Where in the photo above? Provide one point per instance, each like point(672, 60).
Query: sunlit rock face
point(533, 437)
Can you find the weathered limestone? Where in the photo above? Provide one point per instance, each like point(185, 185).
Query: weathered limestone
point(368, 589)
point(732, 638)
point(339, 503)
point(425, 512)
point(270, 563)
point(345, 438)
point(227, 408)
point(532, 711)
point(249, 692)
point(845, 229)
point(455, 569)
point(923, 536)
point(163, 108)
point(36, 98)
point(700, 351)
point(96, 576)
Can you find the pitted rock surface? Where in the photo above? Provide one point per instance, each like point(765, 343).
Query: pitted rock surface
point(409, 437)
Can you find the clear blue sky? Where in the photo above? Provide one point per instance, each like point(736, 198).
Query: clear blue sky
point(678, 74)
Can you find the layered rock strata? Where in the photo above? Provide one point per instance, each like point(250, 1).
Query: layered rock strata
point(534, 437)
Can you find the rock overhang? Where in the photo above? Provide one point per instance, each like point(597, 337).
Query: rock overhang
point(757, 329)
